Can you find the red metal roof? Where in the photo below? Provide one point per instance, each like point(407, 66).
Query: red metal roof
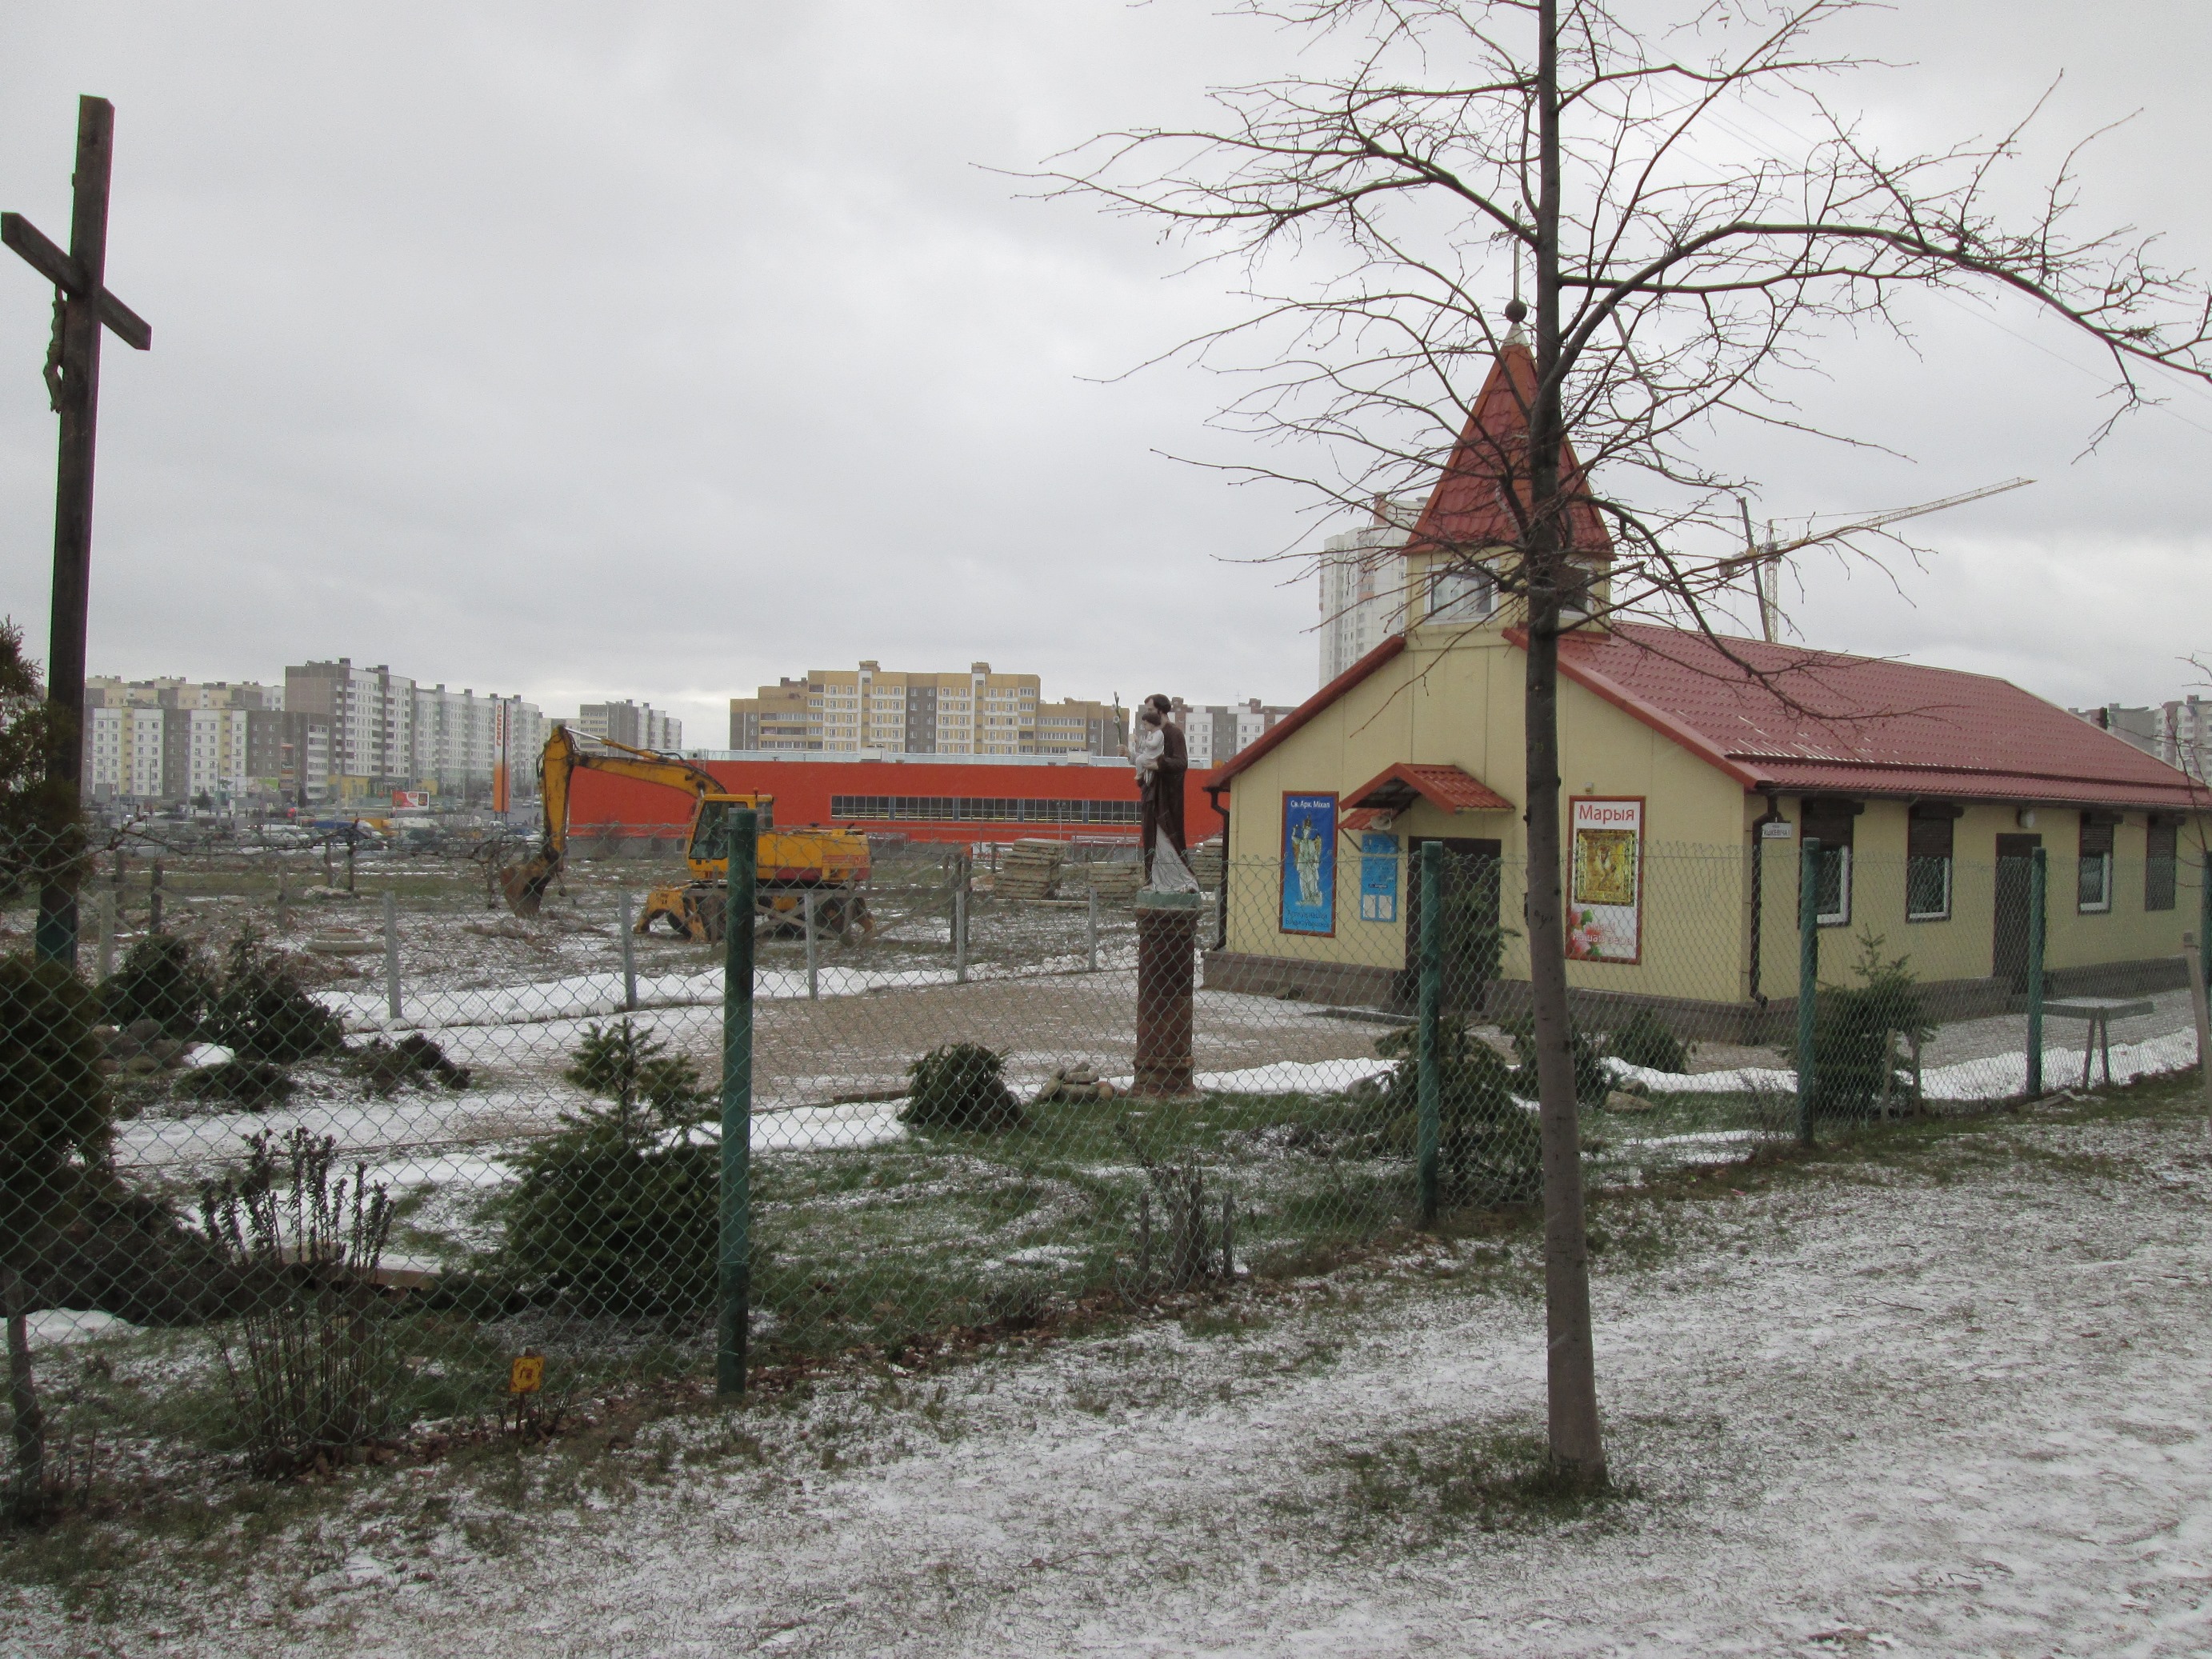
point(1445, 787)
point(1811, 722)
point(1474, 504)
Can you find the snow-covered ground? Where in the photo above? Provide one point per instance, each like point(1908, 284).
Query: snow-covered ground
point(1952, 1405)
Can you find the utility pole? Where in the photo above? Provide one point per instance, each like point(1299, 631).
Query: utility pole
point(82, 308)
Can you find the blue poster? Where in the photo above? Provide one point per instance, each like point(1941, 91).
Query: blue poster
point(1378, 878)
point(1309, 864)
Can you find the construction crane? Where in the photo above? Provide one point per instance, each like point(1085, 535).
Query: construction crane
point(1763, 559)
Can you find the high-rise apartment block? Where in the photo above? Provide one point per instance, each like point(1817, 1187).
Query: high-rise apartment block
point(869, 709)
point(331, 733)
point(1362, 586)
point(175, 740)
point(2178, 732)
point(385, 732)
point(638, 725)
point(1213, 733)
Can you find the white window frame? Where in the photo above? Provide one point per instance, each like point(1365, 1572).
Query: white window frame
point(1451, 589)
point(1841, 917)
point(2103, 907)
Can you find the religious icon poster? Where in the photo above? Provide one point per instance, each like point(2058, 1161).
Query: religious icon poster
point(1309, 864)
point(1605, 878)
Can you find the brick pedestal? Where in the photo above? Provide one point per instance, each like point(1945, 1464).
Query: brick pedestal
point(1167, 934)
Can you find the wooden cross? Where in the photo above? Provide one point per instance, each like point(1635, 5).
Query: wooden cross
point(82, 306)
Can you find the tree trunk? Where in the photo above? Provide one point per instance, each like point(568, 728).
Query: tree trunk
point(1577, 1447)
point(29, 1497)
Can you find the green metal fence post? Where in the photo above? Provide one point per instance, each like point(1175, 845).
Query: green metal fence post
point(2038, 876)
point(1808, 979)
point(737, 1103)
point(1429, 1074)
point(2204, 916)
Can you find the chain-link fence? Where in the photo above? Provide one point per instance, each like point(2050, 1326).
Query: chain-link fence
point(310, 1152)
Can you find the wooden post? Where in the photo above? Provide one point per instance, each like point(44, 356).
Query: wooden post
point(154, 898)
point(629, 955)
point(813, 953)
point(963, 871)
point(392, 954)
point(106, 935)
point(1429, 1082)
point(2192, 948)
point(2039, 872)
point(84, 309)
point(1090, 929)
point(736, 1254)
point(1808, 979)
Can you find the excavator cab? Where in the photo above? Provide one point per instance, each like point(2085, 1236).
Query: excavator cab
point(709, 851)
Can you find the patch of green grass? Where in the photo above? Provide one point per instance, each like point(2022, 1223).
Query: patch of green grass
point(1426, 1484)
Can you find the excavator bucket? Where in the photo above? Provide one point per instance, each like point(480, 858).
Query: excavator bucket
point(524, 883)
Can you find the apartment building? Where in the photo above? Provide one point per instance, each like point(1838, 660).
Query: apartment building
point(778, 718)
point(1074, 727)
point(171, 739)
point(1214, 733)
point(2178, 732)
point(378, 732)
point(371, 714)
point(1362, 593)
point(869, 708)
point(458, 738)
point(638, 725)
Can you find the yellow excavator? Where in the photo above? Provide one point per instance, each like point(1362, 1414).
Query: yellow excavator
point(831, 863)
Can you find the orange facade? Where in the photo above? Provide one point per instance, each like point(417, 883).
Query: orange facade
point(923, 800)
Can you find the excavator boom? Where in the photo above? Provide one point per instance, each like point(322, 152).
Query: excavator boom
point(527, 883)
point(791, 861)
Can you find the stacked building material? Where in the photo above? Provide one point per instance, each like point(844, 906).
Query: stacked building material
point(1117, 882)
point(1205, 861)
point(1029, 870)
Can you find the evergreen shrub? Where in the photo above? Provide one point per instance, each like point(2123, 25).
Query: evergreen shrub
point(1646, 1039)
point(962, 1085)
point(1489, 1149)
point(618, 1212)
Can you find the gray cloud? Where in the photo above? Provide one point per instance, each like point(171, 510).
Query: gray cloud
point(656, 350)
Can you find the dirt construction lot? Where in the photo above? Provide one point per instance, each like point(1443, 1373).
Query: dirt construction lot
point(1945, 1394)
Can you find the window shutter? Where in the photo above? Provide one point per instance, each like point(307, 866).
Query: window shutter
point(1928, 838)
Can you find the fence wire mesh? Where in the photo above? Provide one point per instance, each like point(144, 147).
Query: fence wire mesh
point(319, 1141)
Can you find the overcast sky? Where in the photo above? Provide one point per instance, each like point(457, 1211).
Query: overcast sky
point(655, 351)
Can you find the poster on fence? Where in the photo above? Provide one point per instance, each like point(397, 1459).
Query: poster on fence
point(1604, 880)
point(1378, 877)
point(1309, 864)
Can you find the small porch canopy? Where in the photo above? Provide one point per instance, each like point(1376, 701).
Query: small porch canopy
point(1446, 788)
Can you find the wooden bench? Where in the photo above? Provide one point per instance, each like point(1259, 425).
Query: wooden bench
point(2100, 1012)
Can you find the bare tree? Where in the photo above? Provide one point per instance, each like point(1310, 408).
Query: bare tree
point(1695, 217)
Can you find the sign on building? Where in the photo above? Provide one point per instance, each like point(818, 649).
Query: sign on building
point(1378, 877)
point(1309, 864)
point(1605, 893)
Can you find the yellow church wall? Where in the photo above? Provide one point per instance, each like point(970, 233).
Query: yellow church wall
point(1462, 705)
point(1962, 946)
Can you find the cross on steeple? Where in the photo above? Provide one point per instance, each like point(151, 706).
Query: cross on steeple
point(82, 308)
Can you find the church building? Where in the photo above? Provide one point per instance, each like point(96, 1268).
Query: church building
point(1690, 785)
